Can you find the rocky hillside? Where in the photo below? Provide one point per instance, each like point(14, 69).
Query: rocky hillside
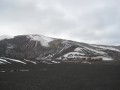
point(37, 48)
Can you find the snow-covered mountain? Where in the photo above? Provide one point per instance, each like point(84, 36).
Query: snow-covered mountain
point(36, 48)
point(44, 41)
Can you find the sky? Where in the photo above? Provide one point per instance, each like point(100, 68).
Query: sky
point(90, 21)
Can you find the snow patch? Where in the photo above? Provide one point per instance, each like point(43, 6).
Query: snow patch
point(105, 58)
point(106, 47)
point(55, 62)
point(96, 51)
point(73, 54)
point(78, 49)
point(14, 60)
point(5, 61)
point(2, 62)
point(30, 61)
point(42, 39)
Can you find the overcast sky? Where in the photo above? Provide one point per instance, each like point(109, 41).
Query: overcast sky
point(91, 21)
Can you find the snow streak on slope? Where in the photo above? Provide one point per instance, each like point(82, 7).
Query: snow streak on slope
point(73, 54)
point(88, 47)
point(106, 47)
point(42, 39)
point(66, 45)
point(96, 51)
point(105, 58)
point(5, 61)
point(81, 51)
point(1, 62)
point(30, 61)
point(14, 60)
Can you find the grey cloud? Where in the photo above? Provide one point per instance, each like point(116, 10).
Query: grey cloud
point(92, 21)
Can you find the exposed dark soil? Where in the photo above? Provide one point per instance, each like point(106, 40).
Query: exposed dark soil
point(60, 77)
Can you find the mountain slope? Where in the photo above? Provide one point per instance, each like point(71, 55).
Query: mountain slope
point(38, 48)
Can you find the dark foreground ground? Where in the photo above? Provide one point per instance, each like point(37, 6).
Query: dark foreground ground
point(60, 77)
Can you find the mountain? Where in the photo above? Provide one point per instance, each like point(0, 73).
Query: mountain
point(36, 48)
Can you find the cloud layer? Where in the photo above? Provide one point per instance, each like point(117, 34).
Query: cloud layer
point(91, 21)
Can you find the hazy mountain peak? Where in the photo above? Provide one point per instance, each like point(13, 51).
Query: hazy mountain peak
point(40, 38)
point(5, 37)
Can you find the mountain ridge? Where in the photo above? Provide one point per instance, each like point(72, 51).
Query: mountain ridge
point(38, 48)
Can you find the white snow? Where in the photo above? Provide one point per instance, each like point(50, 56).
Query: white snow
point(5, 37)
point(96, 51)
point(5, 61)
point(105, 58)
point(107, 47)
point(65, 46)
point(47, 57)
point(78, 49)
point(55, 62)
point(36, 43)
point(14, 60)
point(1, 62)
point(73, 54)
point(30, 61)
point(42, 39)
